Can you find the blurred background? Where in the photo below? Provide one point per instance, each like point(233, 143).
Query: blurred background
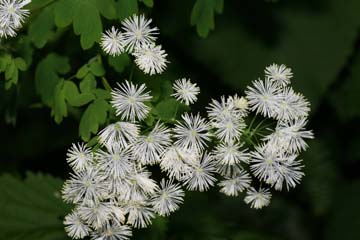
point(318, 39)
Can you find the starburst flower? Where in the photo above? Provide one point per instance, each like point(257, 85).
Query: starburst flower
point(119, 133)
point(112, 42)
point(137, 32)
point(12, 16)
point(96, 215)
point(185, 91)
point(128, 101)
point(263, 97)
point(148, 149)
point(75, 226)
point(235, 184)
point(290, 135)
point(279, 74)
point(85, 187)
point(140, 182)
point(115, 163)
point(240, 103)
point(220, 111)
point(151, 59)
point(289, 172)
point(139, 213)
point(258, 199)
point(192, 133)
point(229, 129)
point(202, 176)
point(167, 198)
point(113, 232)
point(79, 157)
point(230, 154)
point(175, 161)
point(291, 105)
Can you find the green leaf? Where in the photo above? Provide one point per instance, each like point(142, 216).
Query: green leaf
point(20, 64)
point(64, 12)
point(148, 3)
point(59, 108)
point(97, 69)
point(166, 110)
point(126, 8)
point(81, 73)
point(119, 62)
point(41, 28)
point(47, 76)
point(106, 8)
point(87, 23)
point(88, 84)
point(32, 209)
point(11, 67)
point(93, 117)
point(73, 96)
point(202, 15)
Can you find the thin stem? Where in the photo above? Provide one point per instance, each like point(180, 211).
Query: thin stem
point(131, 73)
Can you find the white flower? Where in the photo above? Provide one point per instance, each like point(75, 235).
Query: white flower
point(96, 215)
point(185, 91)
point(235, 184)
point(113, 232)
point(290, 135)
point(218, 111)
point(12, 16)
point(86, 186)
point(230, 154)
point(119, 133)
point(192, 133)
point(141, 183)
point(167, 198)
point(128, 101)
point(148, 149)
point(258, 199)
point(151, 59)
point(229, 129)
point(280, 75)
point(240, 103)
point(175, 161)
point(112, 42)
point(290, 172)
point(137, 32)
point(75, 227)
point(79, 157)
point(263, 97)
point(202, 176)
point(139, 213)
point(115, 163)
point(291, 105)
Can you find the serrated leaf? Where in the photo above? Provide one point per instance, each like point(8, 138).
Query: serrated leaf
point(40, 29)
point(73, 97)
point(93, 117)
point(148, 3)
point(31, 209)
point(47, 76)
point(126, 8)
point(119, 62)
point(106, 8)
point(203, 13)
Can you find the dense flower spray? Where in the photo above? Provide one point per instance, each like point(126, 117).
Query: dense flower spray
point(245, 145)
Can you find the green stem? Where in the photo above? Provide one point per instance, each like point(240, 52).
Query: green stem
point(131, 73)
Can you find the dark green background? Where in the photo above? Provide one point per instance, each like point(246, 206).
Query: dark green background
point(318, 39)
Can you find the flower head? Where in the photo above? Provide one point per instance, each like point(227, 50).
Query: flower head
point(167, 198)
point(192, 133)
point(119, 133)
point(235, 184)
point(151, 59)
point(128, 101)
point(79, 157)
point(137, 32)
point(113, 232)
point(280, 75)
point(185, 91)
point(258, 198)
point(12, 16)
point(75, 226)
point(112, 42)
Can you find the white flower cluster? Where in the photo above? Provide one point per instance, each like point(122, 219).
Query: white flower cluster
point(113, 190)
point(138, 39)
point(12, 16)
